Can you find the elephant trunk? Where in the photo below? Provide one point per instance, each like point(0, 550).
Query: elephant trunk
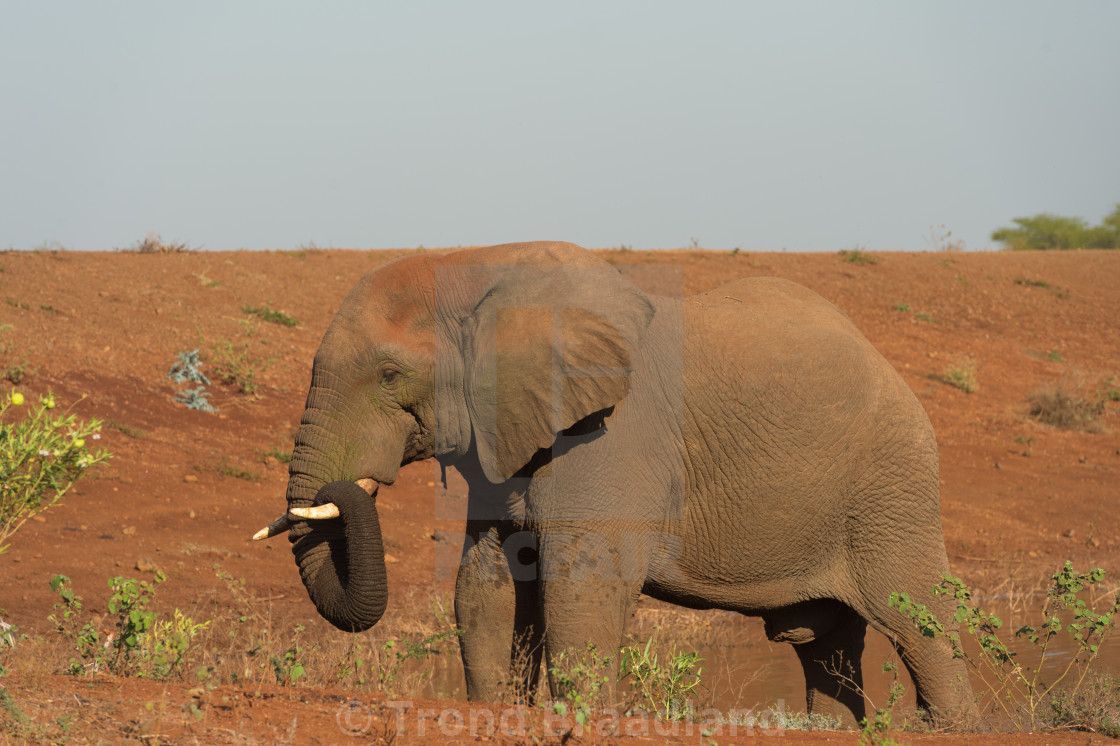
point(341, 560)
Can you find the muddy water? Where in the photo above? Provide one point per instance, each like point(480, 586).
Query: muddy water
point(743, 670)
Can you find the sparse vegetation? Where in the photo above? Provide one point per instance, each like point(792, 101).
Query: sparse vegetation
point(941, 238)
point(1014, 687)
point(188, 368)
point(666, 688)
point(1054, 289)
point(43, 455)
point(281, 454)
point(137, 644)
point(270, 315)
point(961, 375)
point(875, 728)
point(154, 244)
point(13, 363)
point(197, 398)
point(584, 680)
point(238, 366)
point(129, 430)
point(1047, 231)
point(226, 469)
point(1056, 406)
point(858, 256)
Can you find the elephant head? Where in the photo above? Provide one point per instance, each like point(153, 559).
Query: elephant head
point(486, 353)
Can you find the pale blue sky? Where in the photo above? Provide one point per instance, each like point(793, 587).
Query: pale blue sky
point(806, 125)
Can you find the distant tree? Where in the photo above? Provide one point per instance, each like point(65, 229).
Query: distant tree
point(1046, 231)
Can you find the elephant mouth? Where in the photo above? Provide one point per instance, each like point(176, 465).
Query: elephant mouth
point(312, 513)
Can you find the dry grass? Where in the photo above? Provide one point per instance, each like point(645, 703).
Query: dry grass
point(961, 375)
point(1059, 407)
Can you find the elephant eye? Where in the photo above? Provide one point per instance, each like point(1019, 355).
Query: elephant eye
point(389, 377)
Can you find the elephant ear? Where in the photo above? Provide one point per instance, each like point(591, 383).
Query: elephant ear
point(549, 344)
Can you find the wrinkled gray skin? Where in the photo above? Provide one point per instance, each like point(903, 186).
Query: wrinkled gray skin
point(743, 449)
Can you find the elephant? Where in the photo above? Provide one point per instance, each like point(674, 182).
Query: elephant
point(743, 449)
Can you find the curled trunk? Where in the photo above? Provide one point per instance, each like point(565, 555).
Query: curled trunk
point(341, 560)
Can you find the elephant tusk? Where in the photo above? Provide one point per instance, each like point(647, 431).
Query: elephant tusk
point(315, 513)
point(279, 526)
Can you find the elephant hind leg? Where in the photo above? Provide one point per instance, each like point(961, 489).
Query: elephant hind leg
point(828, 637)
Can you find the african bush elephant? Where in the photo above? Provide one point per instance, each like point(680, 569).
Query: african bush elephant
point(743, 449)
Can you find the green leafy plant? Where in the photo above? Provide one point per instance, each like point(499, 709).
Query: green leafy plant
point(902, 307)
point(288, 666)
point(41, 456)
point(270, 315)
point(583, 680)
point(665, 687)
point(875, 729)
point(1018, 690)
point(137, 643)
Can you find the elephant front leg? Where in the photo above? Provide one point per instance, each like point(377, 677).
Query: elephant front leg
point(590, 584)
point(496, 608)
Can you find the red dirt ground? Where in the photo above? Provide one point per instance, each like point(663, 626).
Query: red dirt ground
point(1018, 498)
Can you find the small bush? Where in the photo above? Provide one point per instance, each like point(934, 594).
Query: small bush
point(1095, 708)
point(198, 398)
point(1013, 687)
point(268, 314)
point(961, 375)
point(138, 644)
point(188, 368)
point(238, 366)
point(153, 244)
point(858, 256)
point(1053, 405)
point(665, 687)
point(41, 457)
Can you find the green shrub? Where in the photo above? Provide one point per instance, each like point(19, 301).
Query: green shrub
point(138, 644)
point(1016, 689)
point(41, 457)
point(583, 680)
point(664, 687)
